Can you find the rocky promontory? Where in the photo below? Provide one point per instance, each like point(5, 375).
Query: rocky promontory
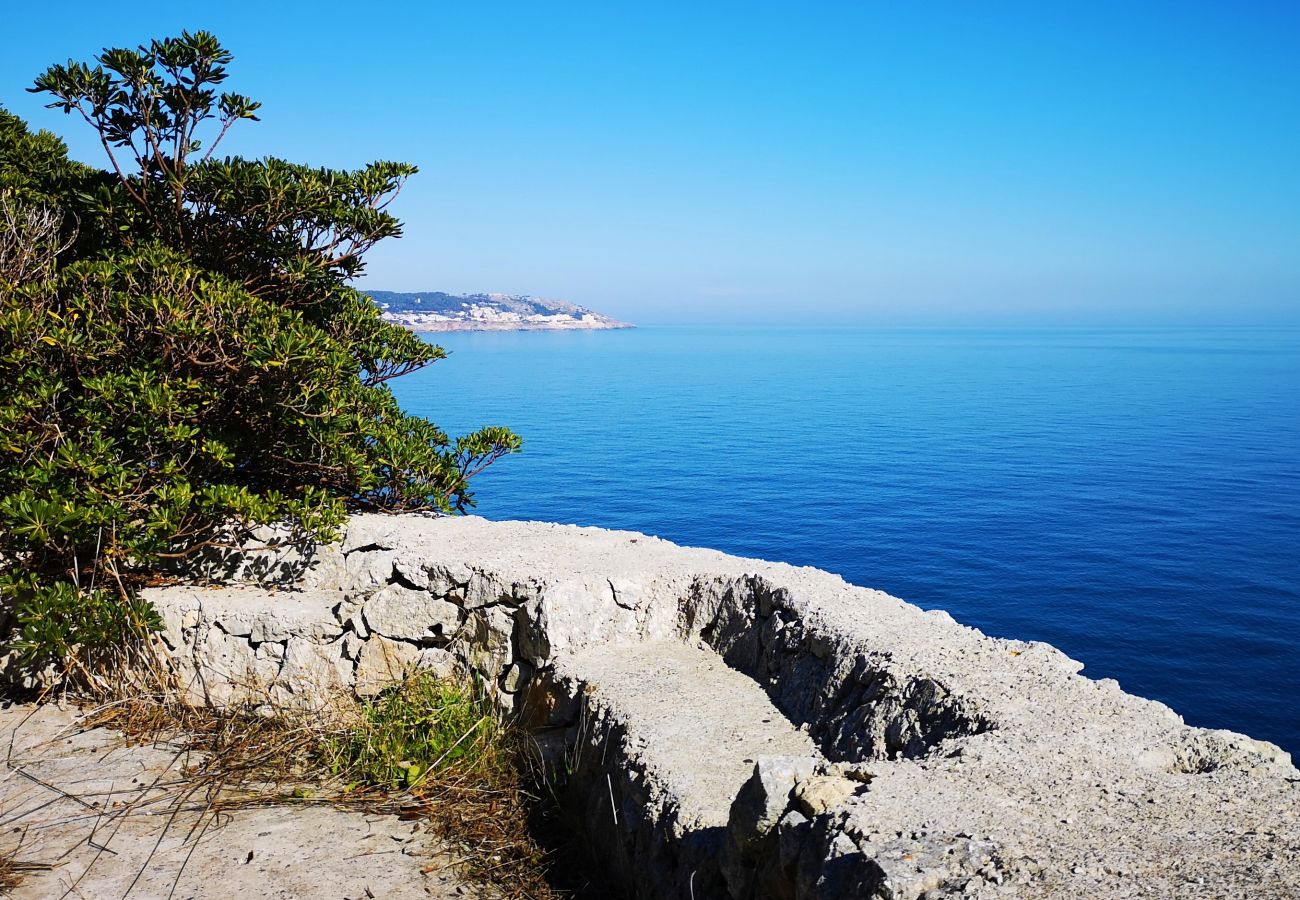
point(435, 311)
point(734, 728)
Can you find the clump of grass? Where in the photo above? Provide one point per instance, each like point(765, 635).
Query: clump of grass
point(437, 750)
point(415, 732)
point(9, 878)
point(12, 871)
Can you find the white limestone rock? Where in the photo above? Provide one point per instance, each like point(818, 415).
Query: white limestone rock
point(755, 812)
point(382, 663)
point(367, 571)
point(313, 673)
point(410, 615)
point(667, 671)
point(229, 668)
point(442, 663)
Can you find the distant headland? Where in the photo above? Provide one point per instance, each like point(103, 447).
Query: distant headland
point(436, 311)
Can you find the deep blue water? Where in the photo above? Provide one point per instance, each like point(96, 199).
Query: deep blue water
point(1132, 497)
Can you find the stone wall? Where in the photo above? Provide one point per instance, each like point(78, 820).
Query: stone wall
point(737, 728)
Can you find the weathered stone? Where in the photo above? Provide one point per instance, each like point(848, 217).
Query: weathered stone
point(819, 794)
point(352, 645)
point(763, 801)
point(516, 677)
point(530, 635)
point(442, 663)
point(674, 669)
point(271, 556)
point(230, 669)
point(254, 613)
point(579, 613)
point(346, 609)
point(526, 591)
point(488, 640)
point(270, 629)
point(382, 663)
point(448, 576)
point(628, 593)
point(271, 650)
point(754, 814)
point(365, 534)
point(238, 622)
point(485, 590)
point(176, 619)
point(410, 615)
point(411, 571)
point(367, 570)
point(313, 673)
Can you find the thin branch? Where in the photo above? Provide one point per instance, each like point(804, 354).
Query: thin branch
point(103, 140)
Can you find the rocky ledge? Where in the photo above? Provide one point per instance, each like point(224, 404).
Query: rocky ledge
point(733, 728)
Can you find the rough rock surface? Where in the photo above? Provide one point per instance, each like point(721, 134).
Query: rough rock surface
point(666, 739)
point(117, 821)
point(762, 730)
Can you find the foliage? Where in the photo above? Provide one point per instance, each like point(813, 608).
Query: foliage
point(181, 353)
point(64, 620)
point(416, 730)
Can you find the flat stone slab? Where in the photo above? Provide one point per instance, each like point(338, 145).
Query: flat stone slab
point(119, 821)
point(694, 726)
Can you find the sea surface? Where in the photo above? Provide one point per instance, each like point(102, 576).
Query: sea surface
point(1132, 497)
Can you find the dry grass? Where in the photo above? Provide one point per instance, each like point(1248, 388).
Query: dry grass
point(10, 876)
point(427, 750)
point(13, 870)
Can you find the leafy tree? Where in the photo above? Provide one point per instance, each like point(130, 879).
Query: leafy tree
point(181, 353)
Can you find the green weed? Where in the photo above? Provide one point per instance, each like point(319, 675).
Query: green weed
point(420, 729)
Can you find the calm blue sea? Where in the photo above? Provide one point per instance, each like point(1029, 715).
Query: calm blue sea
point(1132, 497)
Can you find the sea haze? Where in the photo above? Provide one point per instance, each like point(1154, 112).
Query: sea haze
point(1132, 497)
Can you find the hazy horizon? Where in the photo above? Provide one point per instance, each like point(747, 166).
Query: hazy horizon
point(1026, 165)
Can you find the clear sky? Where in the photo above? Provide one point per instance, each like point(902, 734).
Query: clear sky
point(1035, 163)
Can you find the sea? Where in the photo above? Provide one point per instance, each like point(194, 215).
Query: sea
point(1130, 496)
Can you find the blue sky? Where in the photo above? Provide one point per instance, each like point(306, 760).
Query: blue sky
point(1090, 163)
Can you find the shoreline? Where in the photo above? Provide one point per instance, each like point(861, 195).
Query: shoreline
point(469, 325)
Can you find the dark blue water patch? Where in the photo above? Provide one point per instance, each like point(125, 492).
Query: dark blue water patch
point(1132, 497)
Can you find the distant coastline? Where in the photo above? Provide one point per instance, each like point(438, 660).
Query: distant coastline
point(435, 311)
point(417, 323)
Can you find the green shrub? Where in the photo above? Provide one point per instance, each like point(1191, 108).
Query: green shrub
point(416, 731)
point(181, 353)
